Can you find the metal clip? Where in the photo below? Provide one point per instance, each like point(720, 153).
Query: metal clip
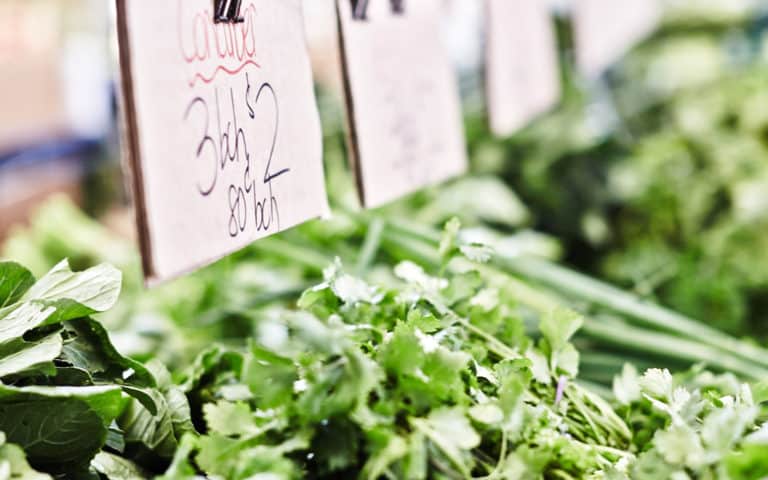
point(360, 8)
point(227, 11)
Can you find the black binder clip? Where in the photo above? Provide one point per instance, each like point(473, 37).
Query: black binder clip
point(227, 11)
point(360, 8)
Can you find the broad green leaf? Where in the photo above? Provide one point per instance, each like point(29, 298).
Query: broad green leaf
point(539, 365)
point(338, 388)
point(14, 465)
point(270, 377)
point(58, 427)
point(107, 401)
point(21, 357)
point(76, 294)
point(226, 458)
point(416, 463)
point(444, 369)
point(181, 416)
point(453, 425)
point(760, 391)
point(514, 380)
point(16, 320)
point(266, 462)
point(89, 348)
point(15, 280)
point(117, 468)
point(154, 429)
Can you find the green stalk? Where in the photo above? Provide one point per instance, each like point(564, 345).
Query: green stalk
point(420, 244)
point(618, 301)
point(596, 293)
point(371, 245)
point(635, 339)
point(306, 257)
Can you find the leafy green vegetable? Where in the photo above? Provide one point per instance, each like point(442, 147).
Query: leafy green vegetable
point(13, 463)
point(63, 385)
point(453, 354)
point(395, 383)
point(15, 280)
point(59, 427)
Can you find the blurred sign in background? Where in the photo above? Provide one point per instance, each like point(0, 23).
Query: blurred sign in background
point(58, 70)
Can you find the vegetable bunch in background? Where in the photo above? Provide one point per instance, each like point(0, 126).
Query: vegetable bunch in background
point(434, 377)
point(369, 346)
point(67, 397)
point(222, 302)
point(423, 375)
point(668, 199)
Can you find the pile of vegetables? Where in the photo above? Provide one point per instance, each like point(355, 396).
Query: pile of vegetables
point(419, 376)
point(656, 180)
point(67, 396)
point(453, 344)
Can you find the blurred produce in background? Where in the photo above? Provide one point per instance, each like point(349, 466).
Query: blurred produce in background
point(624, 230)
point(655, 177)
point(57, 117)
point(652, 177)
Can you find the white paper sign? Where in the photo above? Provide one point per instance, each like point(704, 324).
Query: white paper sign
point(605, 30)
point(223, 130)
point(522, 72)
point(403, 100)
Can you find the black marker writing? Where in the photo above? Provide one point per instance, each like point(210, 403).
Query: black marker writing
point(251, 205)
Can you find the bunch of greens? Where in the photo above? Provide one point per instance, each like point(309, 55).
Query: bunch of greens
point(222, 302)
point(435, 377)
point(470, 370)
point(67, 397)
point(667, 198)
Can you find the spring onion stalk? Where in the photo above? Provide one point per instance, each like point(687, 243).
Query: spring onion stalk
point(654, 330)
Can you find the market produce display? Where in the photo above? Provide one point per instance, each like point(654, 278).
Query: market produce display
point(426, 377)
point(588, 304)
point(657, 182)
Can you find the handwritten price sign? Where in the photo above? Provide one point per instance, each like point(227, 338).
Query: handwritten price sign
point(522, 71)
point(223, 133)
point(402, 98)
point(604, 30)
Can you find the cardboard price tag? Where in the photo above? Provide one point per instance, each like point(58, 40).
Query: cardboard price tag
point(223, 133)
point(522, 71)
point(403, 102)
point(605, 30)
